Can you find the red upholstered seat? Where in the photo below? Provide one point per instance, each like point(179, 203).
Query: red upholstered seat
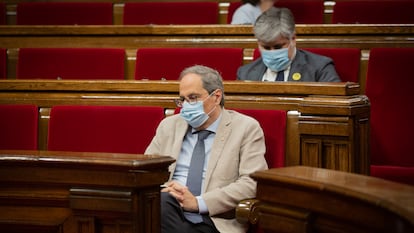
point(18, 127)
point(3, 63)
point(71, 63)
point(117, 129)
point(389, 87)
point(346, 60)
point(64, 13)
point(3, 13)
point(373, 12)
point(231, 9)
point(273, 123)
point(304, 11)
point(167, 63)
point(171, 13)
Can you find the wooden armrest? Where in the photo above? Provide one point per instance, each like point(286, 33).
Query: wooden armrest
point(246, 211)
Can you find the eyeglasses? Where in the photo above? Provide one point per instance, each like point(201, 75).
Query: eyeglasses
point(191, 99)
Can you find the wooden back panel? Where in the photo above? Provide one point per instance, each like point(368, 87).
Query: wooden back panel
point(331, 201)
point(327, 124)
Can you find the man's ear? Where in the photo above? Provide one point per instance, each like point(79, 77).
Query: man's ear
point(219, 93)
point(293, 40)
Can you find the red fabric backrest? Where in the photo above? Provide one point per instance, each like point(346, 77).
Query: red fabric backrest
point(18, 127)
point(346, 60)
point(304, 11)
point(71, 63)
point(273, 123)
point(3, 63)
point(373, 12)
point(64, 13)
point(231, 9)
point(167, 63)
point(3, 20)
point(389, 87)
point(170, 13)
point(116, 129)
point(400, 174)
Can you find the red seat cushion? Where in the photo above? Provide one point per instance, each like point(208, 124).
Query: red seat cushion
point(389, 89)
point(18, 127)
point(167, 63)
point(394, 173)
point(71, 63)
point(346, 60)
point(304, 11)
point(273, 123)
point(373, 12)
point(231, 9)
point(64, 13)
point(170, 13)
point(117, 129)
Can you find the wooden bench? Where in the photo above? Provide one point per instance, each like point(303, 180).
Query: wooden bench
point(327, 123)
point(44, 191)
point(306, 199)
point(131, 38)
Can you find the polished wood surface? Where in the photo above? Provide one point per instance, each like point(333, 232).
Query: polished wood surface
point(51, 191)
point(327, 123)
point(308, 199)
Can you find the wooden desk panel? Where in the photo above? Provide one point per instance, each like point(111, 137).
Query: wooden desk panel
point(327, 125)
point(305, 199)
point(46, 191)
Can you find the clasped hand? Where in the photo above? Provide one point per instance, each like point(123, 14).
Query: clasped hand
point(186, 199)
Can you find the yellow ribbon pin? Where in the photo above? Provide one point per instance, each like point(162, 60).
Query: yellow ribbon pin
point(296, 76)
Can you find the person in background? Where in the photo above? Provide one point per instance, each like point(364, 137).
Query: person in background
point(280, 59)
point(234, 149)
point(248, 12)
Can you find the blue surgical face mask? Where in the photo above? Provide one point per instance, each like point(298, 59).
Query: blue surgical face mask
point(194, 113)
point(277, 59)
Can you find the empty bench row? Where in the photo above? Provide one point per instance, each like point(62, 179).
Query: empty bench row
point(162, 63)
point(147, 63)
point(181, 12)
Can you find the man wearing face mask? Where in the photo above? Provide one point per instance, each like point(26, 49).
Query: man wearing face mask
point(234, 148)
point(280, 59)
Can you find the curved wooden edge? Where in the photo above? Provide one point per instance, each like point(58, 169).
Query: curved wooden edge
point(88, 159)
point(375, 192)
point(169, 86)
point(246, 211)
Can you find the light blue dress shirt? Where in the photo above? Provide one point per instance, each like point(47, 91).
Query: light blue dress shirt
point(184, 159)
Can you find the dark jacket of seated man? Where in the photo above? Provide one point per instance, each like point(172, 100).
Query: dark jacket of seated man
point(280, 59)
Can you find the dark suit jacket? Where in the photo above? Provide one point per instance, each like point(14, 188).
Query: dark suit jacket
point(306, 67)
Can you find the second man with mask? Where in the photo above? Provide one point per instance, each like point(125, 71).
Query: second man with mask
point(280, 59)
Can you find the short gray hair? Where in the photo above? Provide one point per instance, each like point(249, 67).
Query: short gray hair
point(211, 78)
point(273, 23)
